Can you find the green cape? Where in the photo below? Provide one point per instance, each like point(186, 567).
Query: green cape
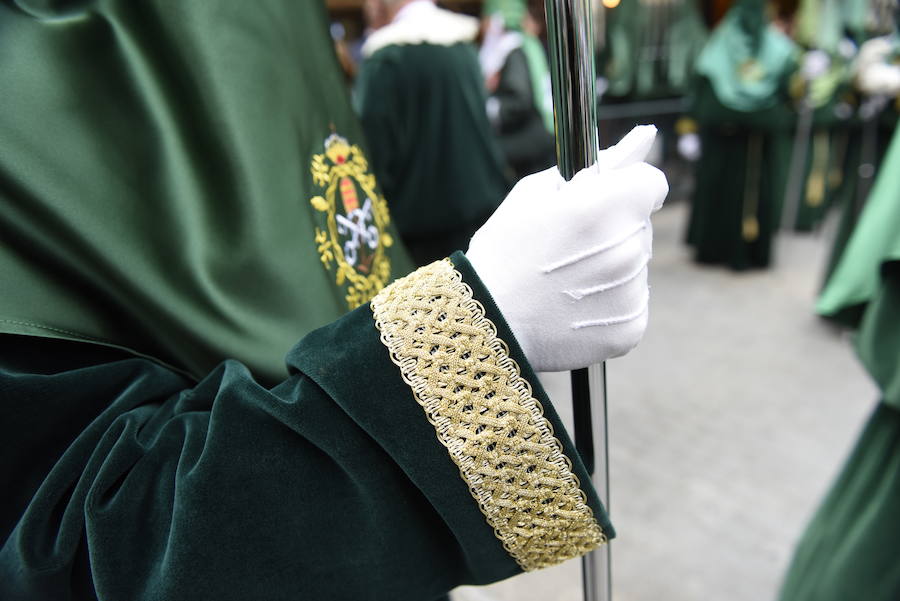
point(165, 185)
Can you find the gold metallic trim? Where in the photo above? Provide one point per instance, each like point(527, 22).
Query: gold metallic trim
point(486, 416)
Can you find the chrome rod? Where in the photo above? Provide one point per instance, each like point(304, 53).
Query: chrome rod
point(570, 35)
point(571, 42)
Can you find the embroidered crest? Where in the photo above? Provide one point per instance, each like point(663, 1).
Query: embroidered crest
point(354, 237)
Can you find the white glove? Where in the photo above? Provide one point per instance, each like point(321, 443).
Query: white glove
point(566, 262)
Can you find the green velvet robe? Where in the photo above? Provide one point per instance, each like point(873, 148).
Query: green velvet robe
point(422, 106)
point(125, 480)
point(175, 185)
point(850, 548)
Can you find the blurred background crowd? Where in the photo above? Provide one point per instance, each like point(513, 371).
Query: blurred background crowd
point(776, 120)
point(771, 113)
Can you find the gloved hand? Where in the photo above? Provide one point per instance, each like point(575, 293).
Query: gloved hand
point(566, 262)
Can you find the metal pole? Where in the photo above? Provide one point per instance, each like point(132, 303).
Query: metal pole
point(570, 34)
point(571, 42)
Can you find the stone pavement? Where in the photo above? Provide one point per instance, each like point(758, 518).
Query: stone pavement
point(727, 424)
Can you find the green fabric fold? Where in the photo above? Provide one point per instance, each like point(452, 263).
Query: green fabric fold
point(129, 481)
point(856, 278)
point(156, 178)
point(849, 548)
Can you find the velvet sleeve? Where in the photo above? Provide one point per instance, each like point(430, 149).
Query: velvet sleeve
point(410, 450)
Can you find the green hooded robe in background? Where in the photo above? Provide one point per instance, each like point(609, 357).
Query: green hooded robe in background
point(421, 99)
point(846, 134)
point(520, 108)
point(868, 136)
point(822, 28)
point(743, 109)
point(850, 548)
point(184, 194)
point(651, 47)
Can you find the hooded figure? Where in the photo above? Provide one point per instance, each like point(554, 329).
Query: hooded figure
point(520, 103)
point(744, 113)
point(651, 48)
point(874, 99)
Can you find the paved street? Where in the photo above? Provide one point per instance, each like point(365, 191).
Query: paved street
point(726, 426)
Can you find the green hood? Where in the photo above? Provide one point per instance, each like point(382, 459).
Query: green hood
point(747, 60)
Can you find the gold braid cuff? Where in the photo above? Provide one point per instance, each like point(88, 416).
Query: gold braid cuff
point(486, 416)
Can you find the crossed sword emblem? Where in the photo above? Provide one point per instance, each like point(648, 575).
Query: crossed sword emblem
point(357, 224)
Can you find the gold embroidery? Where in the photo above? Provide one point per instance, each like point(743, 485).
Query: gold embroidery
point(356, 220)
point(484, 412)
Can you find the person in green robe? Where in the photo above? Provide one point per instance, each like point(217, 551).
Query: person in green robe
point(876, 98)
point(742, 105)
point(822, 136)
point(421, 100)
point(517, 76)
point(188, 410)
point(651, 47)
point(849, 549)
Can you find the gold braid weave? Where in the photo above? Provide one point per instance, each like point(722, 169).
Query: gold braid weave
point(485, 414)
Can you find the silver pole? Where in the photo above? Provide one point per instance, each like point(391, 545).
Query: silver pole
point(570, 33)
point(597, 566)
point(571, 42)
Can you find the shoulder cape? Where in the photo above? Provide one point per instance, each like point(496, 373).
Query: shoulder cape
point(184, 180)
